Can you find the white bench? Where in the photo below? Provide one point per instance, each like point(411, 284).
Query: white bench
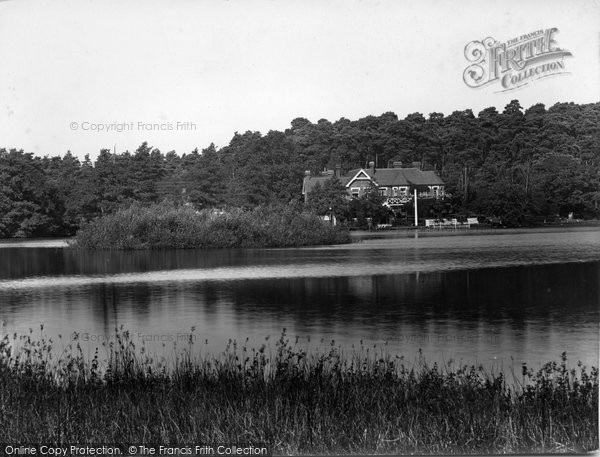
point(472, 221)
point(441, 223)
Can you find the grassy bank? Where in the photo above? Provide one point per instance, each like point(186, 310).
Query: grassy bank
point(319, 402)
point(162, 226)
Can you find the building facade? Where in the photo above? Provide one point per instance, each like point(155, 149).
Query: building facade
point(397, 183)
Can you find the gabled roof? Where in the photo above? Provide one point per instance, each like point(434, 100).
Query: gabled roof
point(387, 177)
point(397, 177)
point(353, 175)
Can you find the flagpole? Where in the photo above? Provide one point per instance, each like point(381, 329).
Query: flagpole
point(416, 217)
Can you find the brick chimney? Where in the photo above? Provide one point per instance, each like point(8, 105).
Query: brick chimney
point(397, 164)
point(338, 170)
point(372, 167)
point(416, 165)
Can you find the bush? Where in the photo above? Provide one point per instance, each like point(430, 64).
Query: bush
point(162, 226)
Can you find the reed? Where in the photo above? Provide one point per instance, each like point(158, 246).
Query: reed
point(362, 400)
point(161, 226)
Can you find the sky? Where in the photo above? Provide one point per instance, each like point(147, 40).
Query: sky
point(82, 75)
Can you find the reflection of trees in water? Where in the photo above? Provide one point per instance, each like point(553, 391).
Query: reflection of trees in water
point(501, 293)
point(549, 297)
point(510, 294)
point(27, 262)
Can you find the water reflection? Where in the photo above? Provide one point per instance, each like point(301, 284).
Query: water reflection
point(530, 313)
point(480, 299)
point(386, 253)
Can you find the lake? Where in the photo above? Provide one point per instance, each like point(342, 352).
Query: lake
point(497, 299)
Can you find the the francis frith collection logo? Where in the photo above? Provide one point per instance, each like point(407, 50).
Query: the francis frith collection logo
point(516, 62)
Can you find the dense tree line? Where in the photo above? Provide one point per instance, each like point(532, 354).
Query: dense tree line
point(519, 165)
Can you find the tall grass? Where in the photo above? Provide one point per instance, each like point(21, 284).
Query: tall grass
point(323, 401)
point(163, 226)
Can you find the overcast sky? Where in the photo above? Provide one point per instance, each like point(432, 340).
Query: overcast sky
point(230, 66)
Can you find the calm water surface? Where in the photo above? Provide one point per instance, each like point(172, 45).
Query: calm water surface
point(497, 299)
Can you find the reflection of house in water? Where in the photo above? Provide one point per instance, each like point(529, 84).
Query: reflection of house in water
point(405, 288)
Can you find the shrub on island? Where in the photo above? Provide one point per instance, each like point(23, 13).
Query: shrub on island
point(161, 226)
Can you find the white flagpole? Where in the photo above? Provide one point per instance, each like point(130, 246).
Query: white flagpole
point(416, 217)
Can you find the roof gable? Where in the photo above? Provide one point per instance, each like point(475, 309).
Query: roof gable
point(361, 174)
point(387, 177)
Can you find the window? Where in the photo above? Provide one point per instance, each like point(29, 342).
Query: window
point(355, 191)
point(383, 191)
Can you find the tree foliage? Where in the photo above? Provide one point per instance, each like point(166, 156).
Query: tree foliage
point(519, 165)
point(369, 207)
point(331, 197)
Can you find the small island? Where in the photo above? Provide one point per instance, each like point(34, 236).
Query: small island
point(162, 226)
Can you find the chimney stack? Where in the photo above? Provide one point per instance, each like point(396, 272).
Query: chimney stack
point(307, 173)
point(338, 170)
point(372, 167)
point(397, 164)
point(416, 165)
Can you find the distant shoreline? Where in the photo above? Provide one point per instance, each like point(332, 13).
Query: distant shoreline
point(485, 230)
point(63, 242)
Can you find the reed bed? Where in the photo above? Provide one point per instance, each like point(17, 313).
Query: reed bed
point(356, 401)
point(161, 226)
